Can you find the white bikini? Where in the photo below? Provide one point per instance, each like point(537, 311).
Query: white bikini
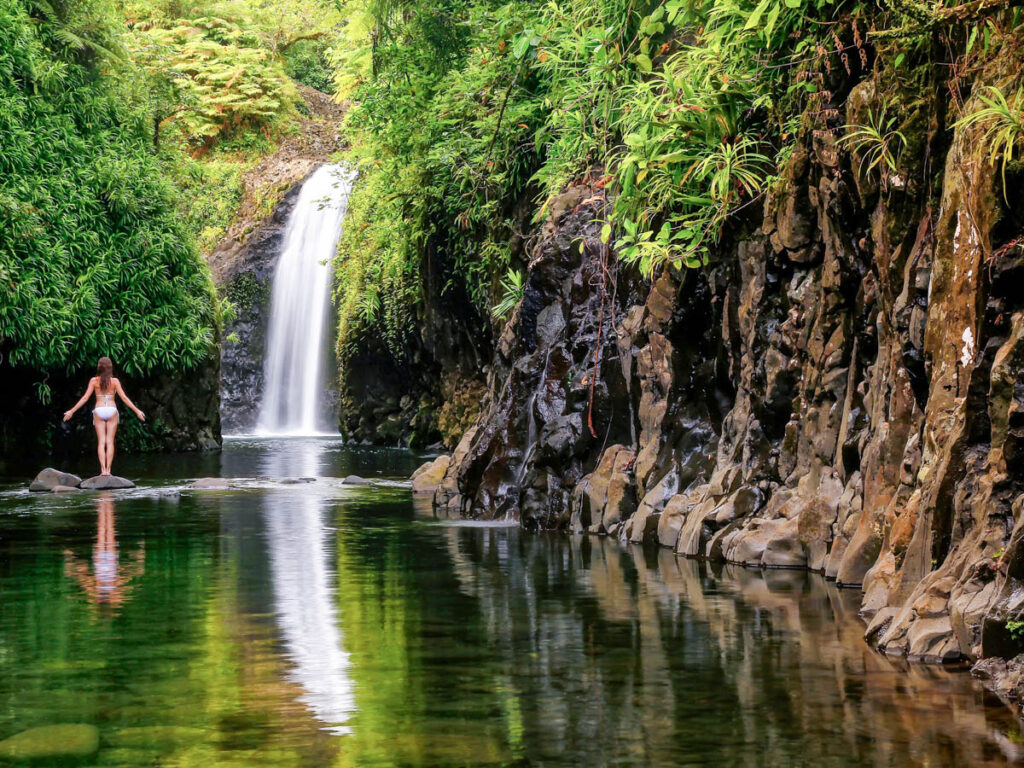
point(108, 410)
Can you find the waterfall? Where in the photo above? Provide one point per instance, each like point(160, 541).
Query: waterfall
point(299, 307)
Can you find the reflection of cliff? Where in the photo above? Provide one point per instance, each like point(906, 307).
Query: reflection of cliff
point(658, 656)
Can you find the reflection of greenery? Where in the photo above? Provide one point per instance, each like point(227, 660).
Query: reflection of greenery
point(389, 598)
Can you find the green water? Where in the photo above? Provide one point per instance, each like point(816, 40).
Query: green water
point(318, 625)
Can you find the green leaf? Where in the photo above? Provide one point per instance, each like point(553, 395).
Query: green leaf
point(756, 14)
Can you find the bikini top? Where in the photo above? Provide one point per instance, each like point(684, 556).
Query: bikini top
point(108, 399)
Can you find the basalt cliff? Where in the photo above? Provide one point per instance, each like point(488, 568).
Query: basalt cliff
point(840, 389)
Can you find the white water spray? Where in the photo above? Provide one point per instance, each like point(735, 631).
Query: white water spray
point(299, 304)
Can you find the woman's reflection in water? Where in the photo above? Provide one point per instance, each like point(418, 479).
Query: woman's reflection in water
point(107, 583)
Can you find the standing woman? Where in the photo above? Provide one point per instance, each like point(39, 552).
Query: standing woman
point(104, 415)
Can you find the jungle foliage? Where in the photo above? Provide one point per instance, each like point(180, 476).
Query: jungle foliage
point(675, 112)
point(93, 258)
point(679, 114)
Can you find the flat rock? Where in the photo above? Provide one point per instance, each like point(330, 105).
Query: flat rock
point(50, 742)
point(110, 482)
point(356, 480)
point(50, 478)
point(65, 489)
point(211, 484)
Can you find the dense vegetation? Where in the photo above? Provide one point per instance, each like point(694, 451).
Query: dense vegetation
point(680, 114)
point(92, 256)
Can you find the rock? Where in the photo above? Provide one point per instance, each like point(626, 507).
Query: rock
point(608, 494)
point(356, 480)
point(65, 489)
point(428, 477)
point(110, 482)
point(210, 484)
point(52, 742)
point(50, 478)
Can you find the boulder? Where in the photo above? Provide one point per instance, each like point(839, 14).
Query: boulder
point(52, 742)
point(65, 489)
point(429, 476)
point(107, 483)
point(50, 478)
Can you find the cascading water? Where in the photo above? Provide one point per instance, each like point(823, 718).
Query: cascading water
point(294, 366)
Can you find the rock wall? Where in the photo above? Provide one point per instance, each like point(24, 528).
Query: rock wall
point(839, 391)
point(181, 408)
point(429, 390)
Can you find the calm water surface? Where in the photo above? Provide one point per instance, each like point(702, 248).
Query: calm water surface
point(312, 624)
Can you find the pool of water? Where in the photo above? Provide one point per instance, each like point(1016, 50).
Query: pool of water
point(315, 624)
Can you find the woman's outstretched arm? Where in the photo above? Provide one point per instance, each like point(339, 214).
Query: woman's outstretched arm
point(129, 403)
point(80, 403)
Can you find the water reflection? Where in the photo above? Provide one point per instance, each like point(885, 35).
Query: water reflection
point(304, 590)
point(315, 625)
point(662, 660)
point(106, 580)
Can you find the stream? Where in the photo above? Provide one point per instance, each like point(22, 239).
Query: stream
point(311, 623)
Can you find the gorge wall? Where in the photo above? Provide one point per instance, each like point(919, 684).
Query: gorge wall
point(839, 390)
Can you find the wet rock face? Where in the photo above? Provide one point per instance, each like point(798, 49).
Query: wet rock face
point(556, 393)
point(428, 388)
point(840, 391)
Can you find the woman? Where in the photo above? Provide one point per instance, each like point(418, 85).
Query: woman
point(104, 415)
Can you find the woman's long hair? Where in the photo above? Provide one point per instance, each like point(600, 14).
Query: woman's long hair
point(105, 370)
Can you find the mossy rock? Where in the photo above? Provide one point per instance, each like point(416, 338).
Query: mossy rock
point(70, 741)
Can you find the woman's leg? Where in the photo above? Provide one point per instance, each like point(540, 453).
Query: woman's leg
point(111, 431)
point(101, 441)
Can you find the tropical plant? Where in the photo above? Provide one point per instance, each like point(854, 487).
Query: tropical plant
point(219, 77)
point(1003, 122)
point(878, 143)
point(513, 288)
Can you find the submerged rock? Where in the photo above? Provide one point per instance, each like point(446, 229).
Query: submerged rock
point(109, 482)
point(429, 475)
point(210, 484)
point(52, 742)
point(50, 478)
point(356, 480)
